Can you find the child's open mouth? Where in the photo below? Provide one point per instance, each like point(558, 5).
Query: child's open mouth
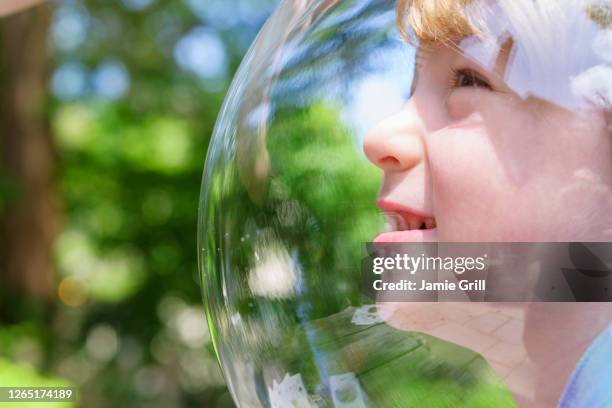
point(403, 224)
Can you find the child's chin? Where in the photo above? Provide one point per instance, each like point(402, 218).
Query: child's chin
point(424, 235)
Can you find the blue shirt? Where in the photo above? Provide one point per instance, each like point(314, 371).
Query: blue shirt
point(591, 382)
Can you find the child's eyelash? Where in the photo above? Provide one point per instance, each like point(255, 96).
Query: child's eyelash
point(468, 78)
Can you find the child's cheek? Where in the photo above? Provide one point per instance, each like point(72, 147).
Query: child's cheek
point(470, 188)
point(508, 127)
point(463, 102)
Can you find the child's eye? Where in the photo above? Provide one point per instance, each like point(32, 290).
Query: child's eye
point(468, 78)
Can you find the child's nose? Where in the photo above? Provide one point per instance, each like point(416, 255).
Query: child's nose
point(396, 144)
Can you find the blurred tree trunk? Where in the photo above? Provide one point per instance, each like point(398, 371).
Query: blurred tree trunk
point(28, 223)
point(12, 6)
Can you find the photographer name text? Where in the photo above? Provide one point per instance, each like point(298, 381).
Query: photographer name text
point(427, 286)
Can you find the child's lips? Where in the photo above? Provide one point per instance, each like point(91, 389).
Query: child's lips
point(390, 206)
point(407, 224)
point(417, 235)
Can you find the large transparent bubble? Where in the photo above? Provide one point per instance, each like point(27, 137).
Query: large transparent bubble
point(338, 131)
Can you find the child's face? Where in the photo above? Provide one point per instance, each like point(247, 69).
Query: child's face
point(487, 164)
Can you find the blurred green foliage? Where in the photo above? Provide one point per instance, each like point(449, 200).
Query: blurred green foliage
point(318, 209)
point(315, 167)
point(133, 99)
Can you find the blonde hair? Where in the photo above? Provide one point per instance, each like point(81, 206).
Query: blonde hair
point(433, 21)
point(601, 14)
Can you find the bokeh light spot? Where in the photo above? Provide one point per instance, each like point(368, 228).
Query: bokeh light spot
point(202, 52)
point(69, 27)
point(69, 81)
point(111, 80)
point(102, 343)
point(73, 126)
point(72, 291)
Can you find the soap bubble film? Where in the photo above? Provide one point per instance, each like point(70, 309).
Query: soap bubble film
point(336, 109)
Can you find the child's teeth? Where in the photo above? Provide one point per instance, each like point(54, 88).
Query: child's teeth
point(397, 222)
point(414, 222)
point(388, 227)
point(393, 222)
point(401, 223)
point(389, 224)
